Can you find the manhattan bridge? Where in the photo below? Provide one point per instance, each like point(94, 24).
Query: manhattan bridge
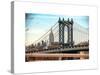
point(65, 36)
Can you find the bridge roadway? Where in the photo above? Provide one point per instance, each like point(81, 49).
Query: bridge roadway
point(75, 49)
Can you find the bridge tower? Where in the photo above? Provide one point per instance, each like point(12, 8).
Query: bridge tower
point(69, 24)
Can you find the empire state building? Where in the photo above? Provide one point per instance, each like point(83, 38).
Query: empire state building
point(51, 37)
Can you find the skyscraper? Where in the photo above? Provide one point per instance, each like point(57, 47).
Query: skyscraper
point(51, 37)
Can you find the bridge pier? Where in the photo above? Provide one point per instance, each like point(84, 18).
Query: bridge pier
point(60, 58)
point(83, 52)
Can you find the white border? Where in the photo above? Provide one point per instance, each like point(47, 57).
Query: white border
point(20, 8)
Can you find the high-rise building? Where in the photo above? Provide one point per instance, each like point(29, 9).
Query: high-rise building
point(51, 37)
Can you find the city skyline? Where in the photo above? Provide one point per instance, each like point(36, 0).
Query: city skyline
point(38, 24)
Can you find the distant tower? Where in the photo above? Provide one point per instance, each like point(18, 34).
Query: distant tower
point(51, 37)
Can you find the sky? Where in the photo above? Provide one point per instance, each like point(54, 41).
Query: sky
point(38, 24)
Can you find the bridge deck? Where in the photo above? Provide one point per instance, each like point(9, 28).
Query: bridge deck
point(67, 49)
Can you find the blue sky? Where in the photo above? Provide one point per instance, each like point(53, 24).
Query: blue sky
point(38, 24)
point(42, 20)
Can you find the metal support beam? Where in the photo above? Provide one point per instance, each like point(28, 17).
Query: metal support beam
point(69, 24)
point(61, 32)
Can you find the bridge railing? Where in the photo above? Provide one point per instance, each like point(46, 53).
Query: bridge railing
point(42, 50)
